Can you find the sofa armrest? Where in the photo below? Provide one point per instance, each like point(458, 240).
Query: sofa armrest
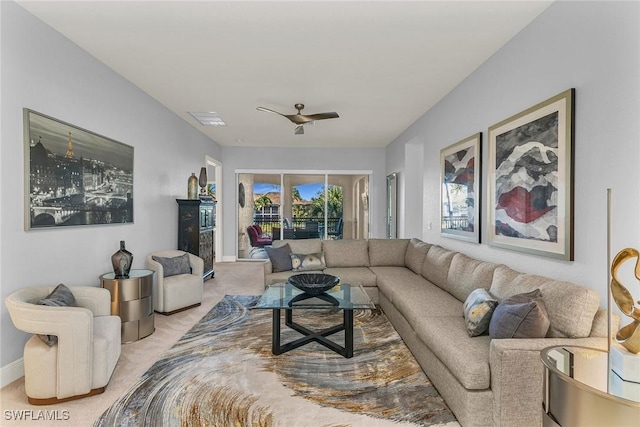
point(98, 300)
point(268, 269)
point(74, 328)
point(517, 374)
point(197, 264)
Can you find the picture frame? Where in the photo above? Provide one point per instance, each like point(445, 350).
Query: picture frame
point(530, 179)
point(73, 176)
point(460, 178)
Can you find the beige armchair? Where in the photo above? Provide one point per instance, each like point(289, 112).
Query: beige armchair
point(173, 293)
point(80, 364)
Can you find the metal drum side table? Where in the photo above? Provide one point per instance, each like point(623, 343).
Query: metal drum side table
point(579, 390)
point(132, 300)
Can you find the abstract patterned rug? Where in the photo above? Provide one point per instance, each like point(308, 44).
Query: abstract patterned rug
point(222, 373)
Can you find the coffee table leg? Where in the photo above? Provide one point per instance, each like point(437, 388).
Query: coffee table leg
point(275, 332)
point(348, 333)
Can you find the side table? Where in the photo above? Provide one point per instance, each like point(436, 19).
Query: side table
point(580, 390)
point(132, 300)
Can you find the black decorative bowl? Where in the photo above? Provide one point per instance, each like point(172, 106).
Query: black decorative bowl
point(314, 283)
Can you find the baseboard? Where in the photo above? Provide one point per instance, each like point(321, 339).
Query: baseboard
point(11, 372)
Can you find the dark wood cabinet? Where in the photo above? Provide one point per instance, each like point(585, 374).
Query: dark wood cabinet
point(196, 223)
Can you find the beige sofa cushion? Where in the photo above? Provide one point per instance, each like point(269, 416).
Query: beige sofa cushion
point(353, 275)
point(388, 252)
point(302, 246)
point(436, 266)
point(415, 255)
point(467, 274)
point(466, 358)
point(571, 308)
point(346, 253)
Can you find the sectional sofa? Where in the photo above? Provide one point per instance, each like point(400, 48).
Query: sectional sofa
point(422, 289)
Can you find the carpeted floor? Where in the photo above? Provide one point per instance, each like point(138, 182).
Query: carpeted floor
point(282, 392)
point(222, 373)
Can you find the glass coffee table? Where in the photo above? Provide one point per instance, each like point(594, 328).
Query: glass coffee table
point(284, 296)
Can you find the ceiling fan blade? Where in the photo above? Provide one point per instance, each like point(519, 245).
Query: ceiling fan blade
point(322, 116)
point(298, 119)
point(266, 110)
point(299, 130)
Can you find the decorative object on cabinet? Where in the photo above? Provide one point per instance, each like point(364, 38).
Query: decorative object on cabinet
point(203, 181)
point(192, 187)
point(121, 262)
point(530, 191)
point(132, 300)
point(460, 169)
point(74, 176)
point(196, 222)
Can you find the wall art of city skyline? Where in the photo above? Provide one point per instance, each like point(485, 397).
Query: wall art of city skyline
point(74, 176)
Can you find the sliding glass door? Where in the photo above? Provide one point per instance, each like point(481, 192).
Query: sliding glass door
point(300, 206)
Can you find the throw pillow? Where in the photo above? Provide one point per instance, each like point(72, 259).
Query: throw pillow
point(174, 266)
point(61, 296)
point(520, 316)
point(302, 262)
point(280, 258)
point(478, 309)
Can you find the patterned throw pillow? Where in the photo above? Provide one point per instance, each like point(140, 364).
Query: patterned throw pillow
point(478, 309)
point(520, 316)
point(280, 258)
point(61, 296)
point(174, 266)
point(301, 262)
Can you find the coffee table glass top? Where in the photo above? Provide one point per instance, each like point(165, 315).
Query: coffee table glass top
point(287, 296)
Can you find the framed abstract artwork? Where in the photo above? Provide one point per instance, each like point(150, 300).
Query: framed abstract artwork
point(74, 176)
point(460, 172)
point(530, 174)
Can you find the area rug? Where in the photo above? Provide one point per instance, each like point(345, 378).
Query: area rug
point(222, 373)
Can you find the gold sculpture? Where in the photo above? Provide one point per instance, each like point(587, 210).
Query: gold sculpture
point(628, 336)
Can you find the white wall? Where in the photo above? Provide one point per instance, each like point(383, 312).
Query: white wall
point(593, 47)
point(44, 71)
point(317, 159)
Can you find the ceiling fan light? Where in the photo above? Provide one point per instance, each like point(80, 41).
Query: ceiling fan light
point(299, 130)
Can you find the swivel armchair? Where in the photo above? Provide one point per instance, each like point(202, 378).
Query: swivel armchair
point(81, 362)
point(180, 289)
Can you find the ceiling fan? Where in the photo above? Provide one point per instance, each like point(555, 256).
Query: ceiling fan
point(301, 119)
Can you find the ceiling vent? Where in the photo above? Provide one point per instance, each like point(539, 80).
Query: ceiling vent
point(208, 118)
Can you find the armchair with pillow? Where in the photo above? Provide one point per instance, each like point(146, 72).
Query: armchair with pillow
point(76, 341)
point(178, 282)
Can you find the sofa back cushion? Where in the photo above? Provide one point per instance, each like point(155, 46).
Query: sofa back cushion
point(346, 253)
point(436, 266)
point(387, 252)
point(467, 274)
point(302, 246)
point(415, 255)
point(571, 308)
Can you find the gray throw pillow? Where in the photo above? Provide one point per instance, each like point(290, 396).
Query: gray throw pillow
point(174, 266)
point(280, 258)
point(520, 316)
point(307, 262)
point(478, 309)
point(61, 296)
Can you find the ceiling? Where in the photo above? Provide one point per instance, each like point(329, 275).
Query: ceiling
point(379, 64)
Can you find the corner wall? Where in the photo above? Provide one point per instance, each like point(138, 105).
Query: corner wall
point(44, 71)
point(593, 47)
